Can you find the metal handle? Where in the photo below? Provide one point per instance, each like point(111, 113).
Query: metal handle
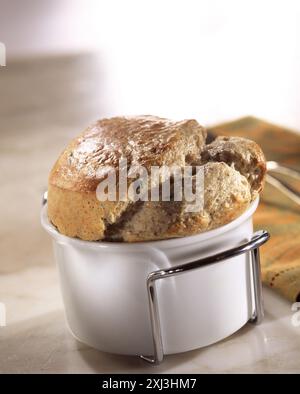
point(276, 167)
point(252, 246)
point(284, 187)
point(45, 198)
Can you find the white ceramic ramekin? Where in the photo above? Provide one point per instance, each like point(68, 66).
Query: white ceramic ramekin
point(105, 296)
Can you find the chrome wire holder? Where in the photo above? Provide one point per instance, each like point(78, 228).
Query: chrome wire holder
point(251, 247)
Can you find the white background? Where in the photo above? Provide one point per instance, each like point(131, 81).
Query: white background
point(212, 60)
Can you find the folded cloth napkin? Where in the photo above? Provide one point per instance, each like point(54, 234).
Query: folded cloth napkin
point(280, 256)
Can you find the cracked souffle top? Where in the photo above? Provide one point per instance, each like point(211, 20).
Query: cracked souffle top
point(233, 173)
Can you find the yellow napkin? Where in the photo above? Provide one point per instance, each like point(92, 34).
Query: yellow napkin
point(280, 256)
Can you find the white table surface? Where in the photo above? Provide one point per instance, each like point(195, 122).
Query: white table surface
point(47, 102)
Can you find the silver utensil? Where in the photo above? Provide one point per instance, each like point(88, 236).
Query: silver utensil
point(285, 188)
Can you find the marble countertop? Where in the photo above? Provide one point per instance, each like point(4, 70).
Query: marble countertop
point(46, 102)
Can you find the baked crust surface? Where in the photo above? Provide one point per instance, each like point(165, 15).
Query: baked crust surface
point(234, 171)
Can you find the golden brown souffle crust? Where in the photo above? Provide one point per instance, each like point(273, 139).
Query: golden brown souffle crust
point(231, 181)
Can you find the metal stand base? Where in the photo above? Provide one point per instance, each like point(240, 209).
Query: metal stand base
point(252, 247)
